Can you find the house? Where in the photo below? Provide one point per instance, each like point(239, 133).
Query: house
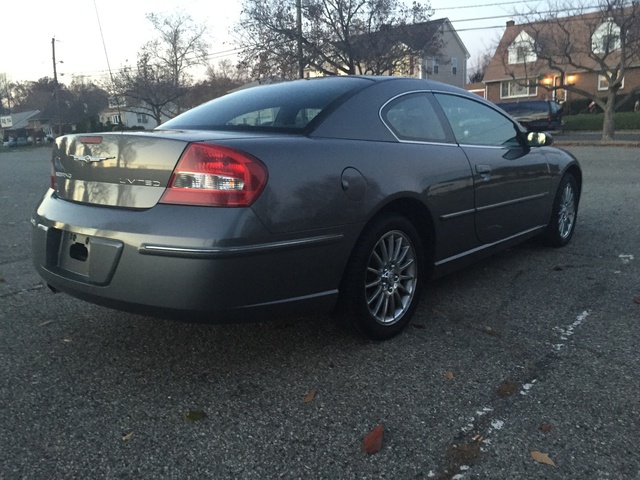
point(448, 65)
point(23, 125)
point(565, 59)
point(477, 87)
point(118, 113)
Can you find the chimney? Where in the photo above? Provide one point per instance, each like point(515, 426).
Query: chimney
point(510, 23)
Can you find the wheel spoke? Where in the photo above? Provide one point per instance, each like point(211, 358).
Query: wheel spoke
point(373, 283)
point(378, 298)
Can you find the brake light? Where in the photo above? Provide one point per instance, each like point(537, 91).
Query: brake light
point(91, 140)
point(214, 175)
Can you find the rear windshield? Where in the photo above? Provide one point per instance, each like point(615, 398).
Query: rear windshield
point(288, 106)
point(525, 107)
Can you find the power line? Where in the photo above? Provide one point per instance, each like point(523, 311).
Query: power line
point(483, 5)
point(237, 50)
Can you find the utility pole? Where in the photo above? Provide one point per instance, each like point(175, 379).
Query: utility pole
point(53, 54)
point(299, 35)
point(55, 84)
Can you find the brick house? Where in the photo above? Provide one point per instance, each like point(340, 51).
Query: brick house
point(584, 52)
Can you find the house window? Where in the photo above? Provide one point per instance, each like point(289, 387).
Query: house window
point(142, 118)
point(435, 67)
point(454, 66)
point(518, 88)
point(522, 49)
point(115, 119)
point(606, 38)
point(603, 83)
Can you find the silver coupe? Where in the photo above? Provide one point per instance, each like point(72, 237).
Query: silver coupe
point(303, 196)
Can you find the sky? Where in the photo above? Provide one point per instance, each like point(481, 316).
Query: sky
point(28, 29)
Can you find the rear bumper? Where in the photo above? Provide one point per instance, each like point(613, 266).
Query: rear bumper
point(172, 260)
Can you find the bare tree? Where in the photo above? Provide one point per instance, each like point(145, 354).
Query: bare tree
point(335, 36)
point(161, 76)
point(481, 63)
point(572, 39)
point(147, 88)
point(6, 86)
point(220, 80)
point(87, 101)
point(181, 44)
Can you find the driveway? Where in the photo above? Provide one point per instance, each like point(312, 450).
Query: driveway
point(519, 362)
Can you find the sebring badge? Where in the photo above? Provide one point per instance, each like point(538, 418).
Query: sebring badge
point(89, 158)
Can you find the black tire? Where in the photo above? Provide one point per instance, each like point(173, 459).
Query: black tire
point(384, 278)
point(564, 213)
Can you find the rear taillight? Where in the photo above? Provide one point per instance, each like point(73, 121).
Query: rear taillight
point(214, 175)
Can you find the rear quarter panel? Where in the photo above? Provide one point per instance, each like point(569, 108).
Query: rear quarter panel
point(306, 191)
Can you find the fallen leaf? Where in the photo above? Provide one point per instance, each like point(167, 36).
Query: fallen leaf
point(559, 268)
point(545, 427)
point(636, 299)
point(127, 437)
point(309, 396)
point(448, 374)
point(419, 326)
point(464, 454)
point(506, 389)
point(542, 458)
point(195, 415)
point(490, 331)
point(372, 443)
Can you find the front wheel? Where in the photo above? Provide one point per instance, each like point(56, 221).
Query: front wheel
point(384, 277)
point(564, 213)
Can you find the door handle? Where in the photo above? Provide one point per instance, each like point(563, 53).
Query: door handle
point(484, 171)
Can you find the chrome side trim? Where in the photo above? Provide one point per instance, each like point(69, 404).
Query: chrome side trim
point(512, 202)
point(461, 213)
point(218, 252)
point(489, 245)
point(486, 147)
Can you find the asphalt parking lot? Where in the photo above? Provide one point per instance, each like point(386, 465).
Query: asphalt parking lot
point(535, 350)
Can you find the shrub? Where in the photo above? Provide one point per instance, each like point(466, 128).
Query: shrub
point(593, 121)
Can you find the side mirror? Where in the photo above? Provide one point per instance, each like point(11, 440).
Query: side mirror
point(539, 139)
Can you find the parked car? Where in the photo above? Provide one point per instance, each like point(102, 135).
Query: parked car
point(17, 142)
point(304, 196)
point(536, 115)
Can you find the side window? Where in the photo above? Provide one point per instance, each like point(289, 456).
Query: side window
point(412, 117)
point(476, 124)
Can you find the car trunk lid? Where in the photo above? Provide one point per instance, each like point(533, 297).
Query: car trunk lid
point(114, 169)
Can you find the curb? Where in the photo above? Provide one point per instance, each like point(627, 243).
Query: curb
point(595, 143)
